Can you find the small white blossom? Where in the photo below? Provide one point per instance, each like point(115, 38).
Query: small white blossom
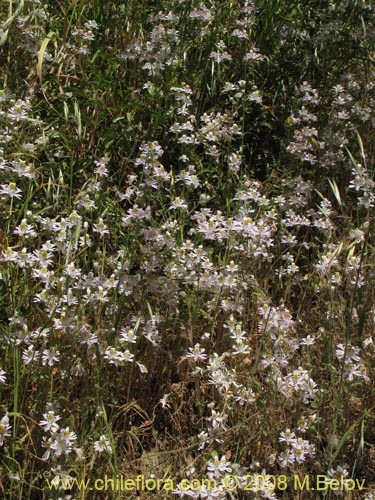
point(49, 421)
point(103, 445)
point(196, 352)
point(11, 190)
point(5, 428)
point(50, 356)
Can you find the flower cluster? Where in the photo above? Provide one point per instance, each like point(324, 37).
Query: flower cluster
point(186, 241)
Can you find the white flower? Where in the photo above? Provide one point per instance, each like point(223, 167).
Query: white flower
point(196, 353)
point(88, 337)
point(338, 474)
point(50, 421)
point(309, 340)
point(128, 335)
point(22, 169)
point(63, 442)
point(178, 203)
point(4, 428)
point(2, 376)
point(116, 357)
point(287, 457)
point(241, 347)
point(47, 443)
point(163, 401)
point(287, 436)
point(86, 202)
point(217, 420)
point(50, 356)
point(62, 478)
point(103, 445)
point(11, 190)
point(9, 255)
point(69, 298)
point(72, 271)
point(101, 166)
point(218, 467)
point(30, 355)
point(18, 112)
point(25, 229)
point(128, 356)
point(100, 227)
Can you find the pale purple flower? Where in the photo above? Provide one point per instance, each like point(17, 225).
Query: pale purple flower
point(103, 445)
point(196, 352)
point(5, 428)
point(11, 190)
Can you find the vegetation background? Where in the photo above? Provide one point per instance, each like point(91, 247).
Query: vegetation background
point(187, 246)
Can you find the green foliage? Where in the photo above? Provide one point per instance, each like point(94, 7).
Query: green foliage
point(187, 244)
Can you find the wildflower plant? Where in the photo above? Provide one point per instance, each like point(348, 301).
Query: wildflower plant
point(186, 247)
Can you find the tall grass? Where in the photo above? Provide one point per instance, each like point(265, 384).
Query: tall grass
point(186, 249)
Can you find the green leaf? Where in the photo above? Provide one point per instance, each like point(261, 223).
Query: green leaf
point(41, 53)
